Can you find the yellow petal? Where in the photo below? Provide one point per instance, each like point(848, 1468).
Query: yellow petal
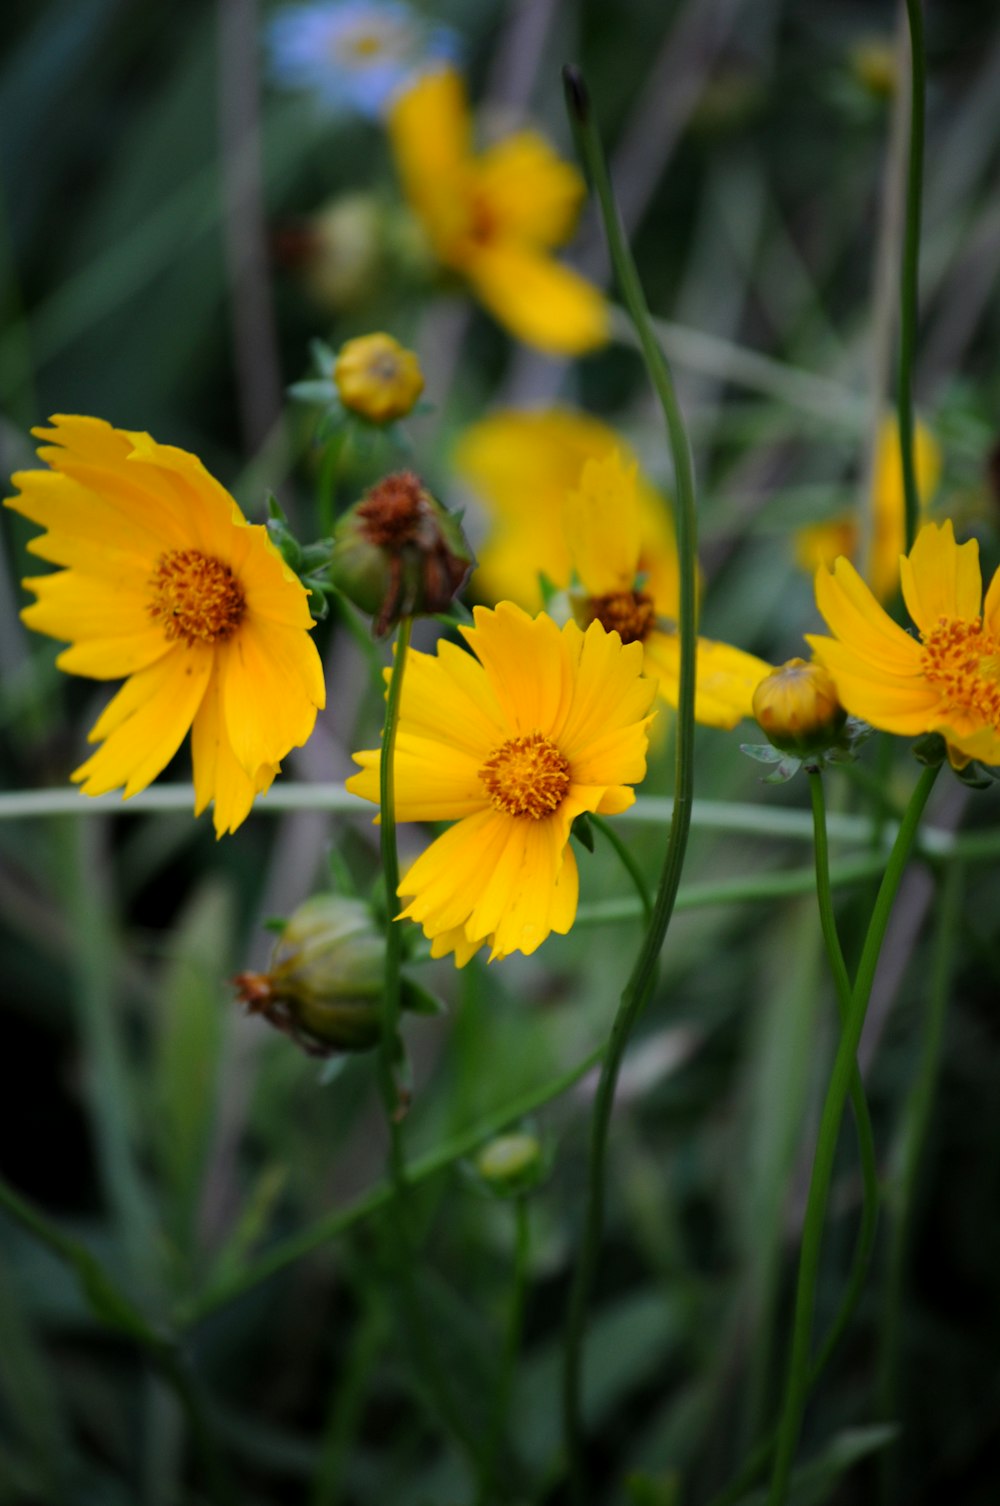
point(85, 529)
point(443, 882)
point(540, 301)
point(161, 708)
point(941, 578)
point(455, 941)
point(725, 678)
point(528, 192)
point(218, 776)
point(601, 519)
point(533, 902)
point(529, 665)
point(852, 613)
point(610, 694)
point(272, 685)
point(73, 606)
point(430, 133)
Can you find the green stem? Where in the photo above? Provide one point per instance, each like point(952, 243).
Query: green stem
point(910, 287)
point(511, 1348)
point(862, 1118)
point(640, 985)
point(420, 1334)
point(913, 1134)
point(287, 1251)
point(628, 862)
point(844, 1068)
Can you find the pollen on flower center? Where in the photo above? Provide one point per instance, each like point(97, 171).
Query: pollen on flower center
point(527, 776)
point(195, 597)
point(962, 661)
point(630, 614)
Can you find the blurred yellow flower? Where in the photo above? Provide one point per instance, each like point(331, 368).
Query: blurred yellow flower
point(948, 680)
point(512, 745)
point(823, 543)
point(521, 466)
point(601, 520)
point(165, 582)
point(496, 216)
point(378, 378)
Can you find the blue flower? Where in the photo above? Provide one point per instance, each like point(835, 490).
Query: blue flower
point(354, 54)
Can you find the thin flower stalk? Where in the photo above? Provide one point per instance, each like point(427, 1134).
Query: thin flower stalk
point(511, 1348)
point(844, 1067)
point(641, 982)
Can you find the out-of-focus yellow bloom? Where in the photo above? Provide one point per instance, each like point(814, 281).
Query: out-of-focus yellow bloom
point(496, 216)
point(945, 681)
point(521, 467)
point(796, 705)
point(823, 543)
point(378, 378)
point(873, 63)
point(166, 584)
point(602, 528)
point(511, 743)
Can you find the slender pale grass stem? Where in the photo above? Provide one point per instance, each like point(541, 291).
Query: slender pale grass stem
point(916, 1118)
point(844, 1067)
point(629, 863)
point(910, 280)
point(511, 1350)
point(641, 982)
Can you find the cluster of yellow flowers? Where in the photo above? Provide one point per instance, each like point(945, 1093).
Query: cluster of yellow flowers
point(164, 582)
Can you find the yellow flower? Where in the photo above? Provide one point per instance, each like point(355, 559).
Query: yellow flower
point(796, 705)
point(602, 528)
point(512, 745)
point(823, 543)
point(496, 216)
point(165, 582)
point(521, 466)
point(948, 680)
point(378, 378)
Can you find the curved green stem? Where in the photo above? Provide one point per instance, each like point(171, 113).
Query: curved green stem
point(628, 862)
point(910, 288)
point(640, 984)
point(913, 1134)
point(511, 1348)
point(844, 1068)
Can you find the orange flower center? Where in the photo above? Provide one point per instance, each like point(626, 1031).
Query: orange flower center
point(195, 597)
point(962, 661)
point(630, 614)
point(526, 776)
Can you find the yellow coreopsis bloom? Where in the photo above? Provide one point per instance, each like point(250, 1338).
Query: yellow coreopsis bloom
point(512, 745)
point(521, 465)
point(164, 581)
point(496, 216)
point(823, 543)
point(945, 681)
point(601, 520)
point(378, 378)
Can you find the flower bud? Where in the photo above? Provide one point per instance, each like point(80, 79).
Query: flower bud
point(874, 64)
point(399, 553)
point(511, 1164)
point(796, 705)
point(324, 984)
point(378, 378)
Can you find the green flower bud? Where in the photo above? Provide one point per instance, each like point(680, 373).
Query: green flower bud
point(324, 984)
point(399, 553)
point(511, 1164)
